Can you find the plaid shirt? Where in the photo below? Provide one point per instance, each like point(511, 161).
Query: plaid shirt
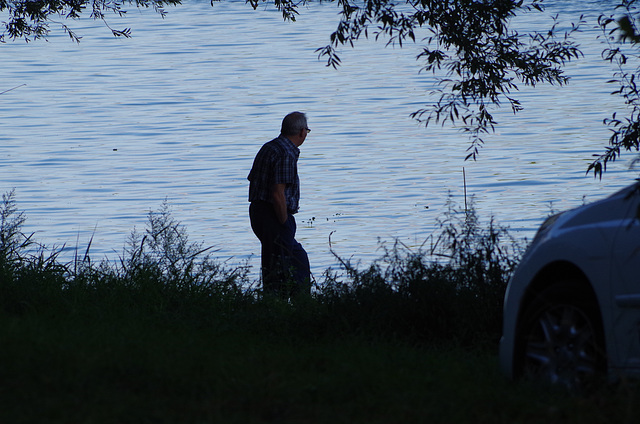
point(276, 163)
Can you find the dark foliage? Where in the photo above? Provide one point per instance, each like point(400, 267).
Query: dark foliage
point(469, 46)
point(451, 292)
point(29, 19)
point(622, 36)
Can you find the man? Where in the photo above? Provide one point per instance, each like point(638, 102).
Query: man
point(274, 193)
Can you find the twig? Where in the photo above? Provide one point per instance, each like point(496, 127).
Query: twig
point(11, 89)
point(464, 179)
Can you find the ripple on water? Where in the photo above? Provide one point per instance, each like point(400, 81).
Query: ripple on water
point(107, 129)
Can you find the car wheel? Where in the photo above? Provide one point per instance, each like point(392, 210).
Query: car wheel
point(561, 339)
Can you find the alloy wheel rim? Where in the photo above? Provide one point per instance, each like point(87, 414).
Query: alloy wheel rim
point(561, 347)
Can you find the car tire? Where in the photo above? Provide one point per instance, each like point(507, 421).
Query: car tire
point(560, 339)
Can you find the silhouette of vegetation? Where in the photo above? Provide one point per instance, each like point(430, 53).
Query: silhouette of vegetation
point(621, 33)
point(29, 20)
point(483, 60)
point(166, 334)
point(451, 292)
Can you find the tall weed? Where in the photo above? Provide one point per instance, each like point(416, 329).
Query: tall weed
point(12, 240)
point(22, 259)
point(450, 289)
point(163, 272)
point(159, 272)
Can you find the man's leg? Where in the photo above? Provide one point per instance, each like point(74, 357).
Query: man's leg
point(266, 228)
point(302, 272)
point(297, 259)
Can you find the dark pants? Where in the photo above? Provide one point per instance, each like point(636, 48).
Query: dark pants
point(285, 264)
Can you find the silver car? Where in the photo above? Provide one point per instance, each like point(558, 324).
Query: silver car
point(572, 307)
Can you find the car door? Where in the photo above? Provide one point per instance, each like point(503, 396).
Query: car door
point(625, 284)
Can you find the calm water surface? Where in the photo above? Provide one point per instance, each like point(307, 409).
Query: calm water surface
point(105, 130)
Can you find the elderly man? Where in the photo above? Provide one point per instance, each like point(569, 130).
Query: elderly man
point(274, 193)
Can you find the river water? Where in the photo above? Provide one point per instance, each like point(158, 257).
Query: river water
point(99, 133)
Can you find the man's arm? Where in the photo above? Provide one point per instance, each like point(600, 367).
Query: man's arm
point(279, 202)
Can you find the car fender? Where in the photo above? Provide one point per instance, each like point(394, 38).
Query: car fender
point(580, 257)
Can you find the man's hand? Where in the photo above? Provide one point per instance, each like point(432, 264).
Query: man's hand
point(279, 202)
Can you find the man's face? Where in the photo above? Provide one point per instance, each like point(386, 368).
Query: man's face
point(304, 133)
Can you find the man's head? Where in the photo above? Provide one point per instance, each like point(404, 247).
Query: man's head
point(294, 127)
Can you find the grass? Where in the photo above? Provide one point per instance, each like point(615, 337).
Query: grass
point(167, 335)
point(69, 372)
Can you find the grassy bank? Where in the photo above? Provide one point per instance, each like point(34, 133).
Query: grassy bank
point(167, 334)
point(66, 370)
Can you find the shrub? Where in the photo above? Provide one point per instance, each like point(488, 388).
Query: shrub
point(12, 240)
point(453, 290)
point(21, 259)
point(160, 272)
point(450, 289)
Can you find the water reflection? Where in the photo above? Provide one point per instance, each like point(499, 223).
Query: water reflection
point(107, 129)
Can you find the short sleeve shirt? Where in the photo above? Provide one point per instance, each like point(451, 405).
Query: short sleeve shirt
point(276, 163)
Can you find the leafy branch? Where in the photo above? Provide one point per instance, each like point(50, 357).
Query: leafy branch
point(623, 39)
point(477, 59)
point(30, 19)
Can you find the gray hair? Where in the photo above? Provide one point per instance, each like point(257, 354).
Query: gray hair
point(293, 123)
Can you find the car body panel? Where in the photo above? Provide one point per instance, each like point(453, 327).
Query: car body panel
point(625, 282)
point(598, 243)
